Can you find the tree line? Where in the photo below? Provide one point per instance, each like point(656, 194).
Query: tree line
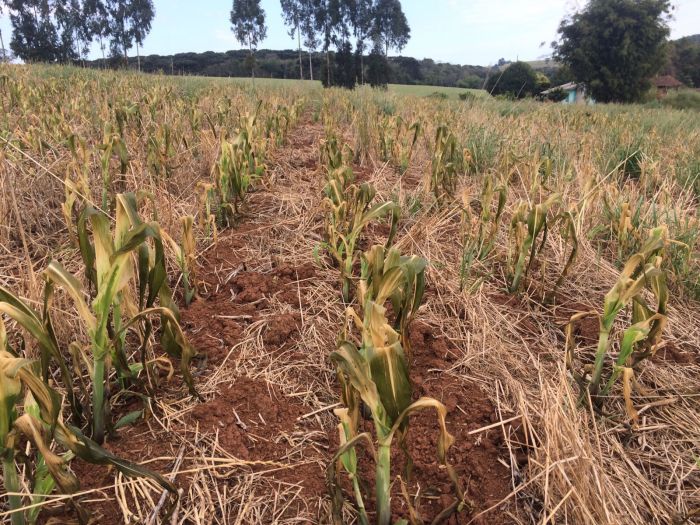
point(342, 29)
point(63, 31)
point(284, 64)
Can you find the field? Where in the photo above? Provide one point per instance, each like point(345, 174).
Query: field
point(451, 93)
point(220, 303)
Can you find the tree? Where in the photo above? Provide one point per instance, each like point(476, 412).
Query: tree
point(141, 13)
point(518, 81)
point(3, 57)
point(684, 61)
point(35, 35)
point(74, 40)
point(390, 25)
point(248, 25)
point(362, 25)
point(129, 23)
point(615, 46)
point(96, 19)
point(308, 31)
point(292, 12)
point(378, 67)
point(326, 18)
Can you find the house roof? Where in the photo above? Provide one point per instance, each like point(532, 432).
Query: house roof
point(564, 87)
point(666, 81)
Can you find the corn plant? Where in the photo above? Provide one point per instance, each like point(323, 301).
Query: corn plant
point(112, 143)
point(76, 183)
point(478, 246)
point(529, 228)
point(207, 218)
point(161, 152)
point(446, 165)
point(640, 340)
point(397, 141)
point(39, 420)
point(377, 374)
point(334, 156)
point(109, 262)
point(235, 170)
point(186, 256)
point(350, 210)
point(378, 263)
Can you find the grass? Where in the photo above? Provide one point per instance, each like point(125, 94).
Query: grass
point(451, 93)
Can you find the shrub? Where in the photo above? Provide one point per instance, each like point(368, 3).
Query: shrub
point(519, 81)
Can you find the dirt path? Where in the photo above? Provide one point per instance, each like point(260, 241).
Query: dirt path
point(269, 313)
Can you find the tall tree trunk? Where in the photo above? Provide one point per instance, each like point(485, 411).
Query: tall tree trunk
point(138, 56)
point(2, 44)
point(252, 61)
point(311, 67)
point(328, 67)
point(362, 64)
point(102, 47)
point(301, 66)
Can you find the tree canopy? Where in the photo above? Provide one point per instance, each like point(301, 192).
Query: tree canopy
point(615, 46)
point(63, 30)
point(248, 26)
point(518, 80)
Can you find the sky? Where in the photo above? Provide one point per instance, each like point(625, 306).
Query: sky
point(475, 32)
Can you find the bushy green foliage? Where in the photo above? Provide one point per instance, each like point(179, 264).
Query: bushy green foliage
point(615, 46)
point(519, 80)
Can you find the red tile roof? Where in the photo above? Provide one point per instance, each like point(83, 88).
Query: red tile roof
point(666, 81)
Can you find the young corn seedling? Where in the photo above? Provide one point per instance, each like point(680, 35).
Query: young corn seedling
point(478, 246)
point(350, 210)
point(38, 419)
point(377, 374)
point(446, 165)
point(529, 228)
point(334, 156)
point(641, 339)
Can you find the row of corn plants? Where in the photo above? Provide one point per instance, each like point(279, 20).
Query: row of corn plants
point(124, 266)
point(373, 357)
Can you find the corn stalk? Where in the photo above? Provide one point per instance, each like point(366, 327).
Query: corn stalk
point(350, 210)
point(377, 373)
point(41, 424)
point(640, 340)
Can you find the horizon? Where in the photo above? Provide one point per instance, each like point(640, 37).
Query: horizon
point(506, 29)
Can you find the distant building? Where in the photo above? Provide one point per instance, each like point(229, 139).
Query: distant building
point(664, 84)
point(571, 92)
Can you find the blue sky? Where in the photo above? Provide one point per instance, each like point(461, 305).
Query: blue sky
point(457, 31)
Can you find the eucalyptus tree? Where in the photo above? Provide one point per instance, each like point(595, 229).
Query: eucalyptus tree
point(390, 25)
point(362, 26)
point(35, 35)
point(292, 13)
point(248, 26)
point(3, 57)
point(308, 31)
point(141, 13)
point(96, 19)
point(129, 23)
